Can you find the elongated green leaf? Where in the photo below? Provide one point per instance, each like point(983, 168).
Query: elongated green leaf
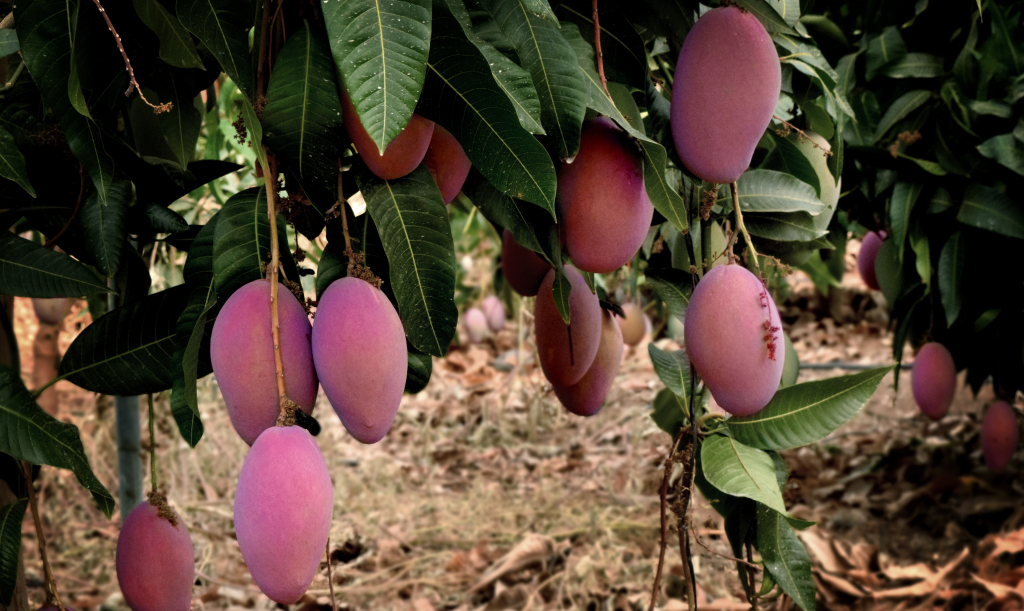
point(302, 119)
point(29, 270)
point(413, 225)
point(8, 42)
point(789, 10)
point(528, 223)
point(540, 8)
point(804, 413)
point(768, 16)
point(903, 106)
point(129, 350)
point(739, 470)
point(150, 218)
point(176, 46)
point(560, 291)
point(513, 80)
point(11, 517)
point(884, 50)
point(12, 162)
point(460, 95)
point(105, 226)
point(30, 434)
point(1005, 150)
point(380, 50)
point(241, 247)
point(904, 196)
point(418, 371)
point(669, 411)
point(673, 368)
point(951, 275)
point(785, 557)
point(332, 266)
point(792, 159)
point(1008, 40)
point(223, 26)
point(192, 349)
point(45, 28)
point(915, 65)
point(988, 209)
point(549, 59)
point(181, 124)
point(762, 191)
point(662, 196)
point(673, 286)
point(783, 226)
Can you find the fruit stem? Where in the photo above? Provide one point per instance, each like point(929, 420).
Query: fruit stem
point(600, 55)
point(655, 589)
point(330, 579)
point(743, 228)
point(152, 445)
point(52, 594)
point(270, 180)
point(157, 108)
point(78, 203)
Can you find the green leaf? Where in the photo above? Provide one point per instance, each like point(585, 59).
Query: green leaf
point(151, 218)
point(1007, 39)
point(819, 273)
point(192, 334)
point(255, 130)
point(789, 10)
point(1005, 151)
point(549, 59)
point(673, 369)
point(670, 411)
point(904, 196)
point(988, 209)
point(739, 470)
point(785, 557)
point(128, 351)
point(513, 80)
point(460, 95)
point(413, 225)
point(529, 224)
point(182, 123)
point(762, 191)
point(768, 16)
point(805, 413)
point(951, 275)
point(846, 69)
point(11, 517)
point(176, 46)
point(105, 226)
point(940, 202)
point(791, 159)
point(332, 265)
point(903, 106)
point(783, 226)
point(540, 8)
point(45, 28)
point(884, 50)
point(915, 65)
point(673, 286)
point(8, 42)
point(560, 290)
point(223, 26)
point(302, 118)
point(12, 162)
point(418, 371)
point(242, 242)
point(381, 51)
point(29, 270)
point(30, 434)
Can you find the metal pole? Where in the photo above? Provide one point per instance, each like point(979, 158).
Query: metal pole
point(129, 443)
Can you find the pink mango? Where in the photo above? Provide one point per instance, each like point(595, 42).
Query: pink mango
point(155, 561)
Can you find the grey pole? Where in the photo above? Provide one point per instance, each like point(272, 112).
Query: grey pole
point(129, 460)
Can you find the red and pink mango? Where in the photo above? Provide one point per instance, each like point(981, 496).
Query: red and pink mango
point(155, 561)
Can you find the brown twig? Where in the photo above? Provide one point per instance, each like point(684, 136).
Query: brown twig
point(152, 444)
point(753, 586)
point(600, 55)
point(157, 108)
point(78, 204)
point(270, 180)
point(790, 126)
point(330, 579)
point(691, 582)
point(51, 594)
point(696, 538)
point(264, 27)
point(664, 522)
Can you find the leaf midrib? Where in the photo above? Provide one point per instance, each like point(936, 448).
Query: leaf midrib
point(544, 72)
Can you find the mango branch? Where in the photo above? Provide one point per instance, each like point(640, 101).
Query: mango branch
point(597, 48)
point(51, 594)
point(743, 228)
point(270, 181)
point(157, 108)
point(152, 445)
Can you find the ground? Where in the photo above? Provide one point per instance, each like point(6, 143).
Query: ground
point(487, 495)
